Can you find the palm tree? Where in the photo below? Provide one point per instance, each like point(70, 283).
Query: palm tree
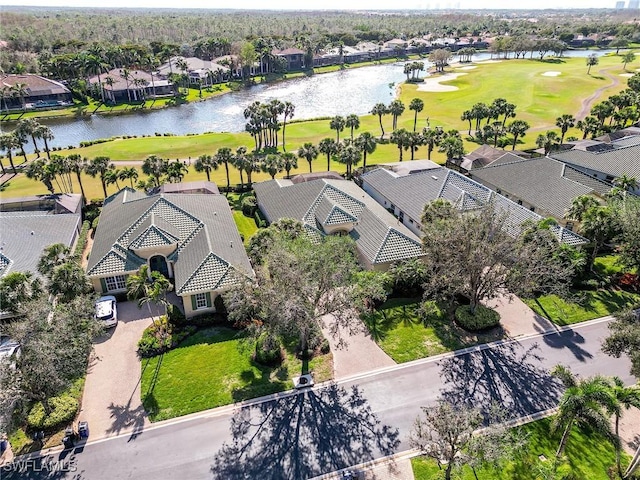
point(176, 171)
point(622, 398)
point(29, 127)
point(337, 123)
point(452, 147)
point(598, 225)
point(52, 256)
point(45, 134)
point(414, 140)
point(466, 116)
point(547, 141)
point(432, 139)
point(20, 90)
point(8, 143)
point(564, 123)
point(206, 163)
point(39, 170)
point(289, 162)
point(126, 75)
point(309, 152)
point(628, 58)
point(225, 156)
point(287, 112)
point(583, 402)
point(111, 177)
point(148, 288)
point(76, 163)
point(155, 167)
point(396, 108)
point(348, 155)
point(21, 140)
point(329, 147)
point(517, 128)
point(591, 61)
point(367, 144)
point(580, 206)
point(417, 105)
point(99, 166)
point(589, 126)
point(110, 82)
point(129, 173)
point(353, 122)
point(68, 281)
point(251, 164)
point(626, 183)
point(401, 139)
point(380, 109)
point(272, 164)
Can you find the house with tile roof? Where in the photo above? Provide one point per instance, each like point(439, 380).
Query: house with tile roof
point(405, 191)
point(190, 238)
point(340, 207)
point(543, 185)
point(39, 92)
point(293, 56)
point(120, 85)
point(199, 72)
point(605, 161)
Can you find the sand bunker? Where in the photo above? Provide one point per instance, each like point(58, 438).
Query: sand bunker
point(468, 67)
point(626, 74)
point(551, 74)
point(432, 84)
point(489, 61)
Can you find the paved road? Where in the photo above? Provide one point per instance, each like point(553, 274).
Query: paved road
point(301, 435)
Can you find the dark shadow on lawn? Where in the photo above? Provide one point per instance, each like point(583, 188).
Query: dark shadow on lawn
point(509, 375)
point(303, 435)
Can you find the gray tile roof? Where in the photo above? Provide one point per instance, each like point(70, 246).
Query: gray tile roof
point(379, 236)
point(624, 158)
point(537, 181)
point(5, 264)
point(24, 235)
point(209, 254)
point(411, 193)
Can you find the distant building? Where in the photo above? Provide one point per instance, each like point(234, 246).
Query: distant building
point(30, 92)
point(634, 4)
point(619, 5)
point(120, 85)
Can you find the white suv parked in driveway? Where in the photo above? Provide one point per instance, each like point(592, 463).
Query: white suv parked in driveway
point(107, 311)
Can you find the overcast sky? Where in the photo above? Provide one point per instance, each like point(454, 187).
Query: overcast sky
point(318, 5)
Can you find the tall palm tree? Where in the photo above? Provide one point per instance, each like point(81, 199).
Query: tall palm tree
point(111, 177)
point(396, 108)
point(224, 156)
point(30, 127)
point(155, 166)
point(352, 122)
point(348, 155)
point(99, 166)
point(125, 73)
point(20, 91)
point(583, 403)
point(272, 164)
point(76, 163)
point(432, 138)
point(287, 112)
point(367, 144)
point(329, 147)
point(452, 147)
point(206, 163)
point(176, 171)
point(400, 137)
point(52, 256)
point(21, 140)
point(239, 160)
point(148, 287)
point(626, 182)
point(251, 165)
point(564, 123)
point(547, 141)
point(110, 82)
point(68, 281)
point(580, 206)
point(517, 128)
point(309, 152)
point(622, 398)
point(289, 162)
point(337, 123)
point(380, 109)
point(598, 225)
point(417, 105)
point(8, 143)
point(128, 173)
point(45, 133)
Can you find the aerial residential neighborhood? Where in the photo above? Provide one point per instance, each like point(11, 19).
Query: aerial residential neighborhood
point(341, 242)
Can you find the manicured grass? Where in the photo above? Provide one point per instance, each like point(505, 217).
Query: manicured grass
point(246, 225)
point(403, 334)
point(589, 304)
point(588, 456)
point(608, 265)
point(213, 368)
point(22, 443)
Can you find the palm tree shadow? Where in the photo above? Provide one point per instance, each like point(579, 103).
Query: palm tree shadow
point(508, 375)
point(303, 435)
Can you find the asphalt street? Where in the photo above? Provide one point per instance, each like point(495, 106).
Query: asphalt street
point(319, 430)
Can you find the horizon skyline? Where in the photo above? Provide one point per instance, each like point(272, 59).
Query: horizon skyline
point(366, 5)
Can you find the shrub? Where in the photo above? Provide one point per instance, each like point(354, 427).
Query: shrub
point(161, 337)
point(249, 206)
point(259, 221)
point(268, 351)
point(482, 319)
point(325, 347)
point(82, 240)
point(629, 282)
point(175, 315)
point(64, 411)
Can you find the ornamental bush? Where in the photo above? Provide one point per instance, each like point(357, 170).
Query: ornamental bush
point(268, 351)
point(162, 336)
point(482, 319)
point(249, 206)
point(64, 411)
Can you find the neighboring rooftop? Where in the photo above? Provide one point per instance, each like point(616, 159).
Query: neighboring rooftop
point(24, 235)
point(308, 177)
point(410, 193)
point(194, 64)
point(56, 203)
point(190, 187)
point(545, 183)
point(325, 206)
point(481, 157)
point(35, 84)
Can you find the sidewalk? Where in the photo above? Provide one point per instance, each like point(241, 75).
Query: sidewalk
point(517, 318)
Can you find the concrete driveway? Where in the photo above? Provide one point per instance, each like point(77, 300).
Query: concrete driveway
point(111, 400)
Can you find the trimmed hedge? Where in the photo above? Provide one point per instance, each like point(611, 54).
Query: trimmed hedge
point(483, 318)
point(64, 411)
point(249, 206)
point(268, 351)
point(82, 240)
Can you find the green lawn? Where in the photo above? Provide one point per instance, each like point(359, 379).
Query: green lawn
point(401, 332)
point(214, 368)
point(589, 304)
point(588, 456)
point(246, 225)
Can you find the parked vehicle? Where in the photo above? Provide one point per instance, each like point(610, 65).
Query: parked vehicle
point(107, 310)
point(9, 349)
